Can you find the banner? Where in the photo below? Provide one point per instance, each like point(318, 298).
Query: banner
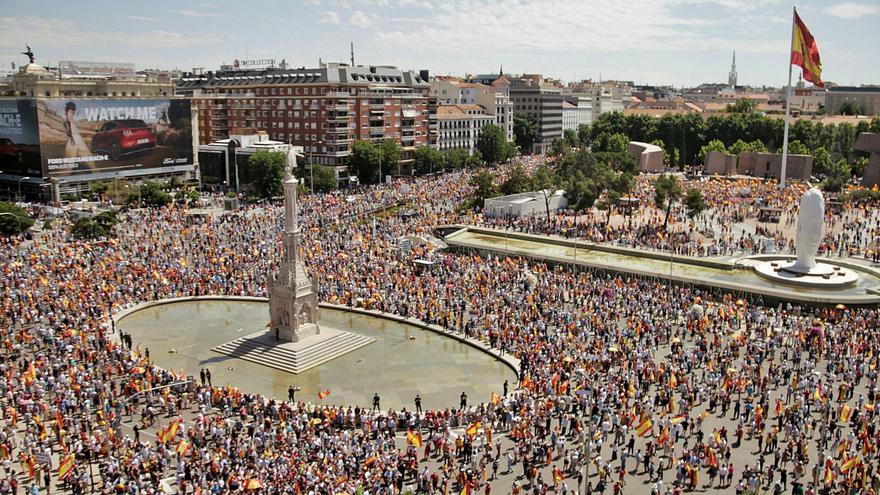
point(82, 136)
point(19, 138)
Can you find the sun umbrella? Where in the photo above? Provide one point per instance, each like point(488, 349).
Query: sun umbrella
point(840, 306)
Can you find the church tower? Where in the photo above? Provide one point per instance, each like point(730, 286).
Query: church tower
point(731, 78)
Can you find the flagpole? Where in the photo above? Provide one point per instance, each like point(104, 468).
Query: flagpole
point(787, 107)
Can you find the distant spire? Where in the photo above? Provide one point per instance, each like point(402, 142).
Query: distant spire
point(731, 77)
point(501, 70)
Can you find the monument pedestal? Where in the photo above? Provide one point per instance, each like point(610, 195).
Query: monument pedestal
point(308, 351)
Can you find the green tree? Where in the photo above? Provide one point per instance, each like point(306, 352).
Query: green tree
point(757, 146)
point(457, 158)
point(427, 160)
point(365, 160)
point(559, 148)
point(518, 181)
point(850, 108)
point(97, 188)
point(821, 161)
point(837, 176)
point(570, 136)
point(713, 145)
point(742, 105)
point(492, 144)
point(325, 178)
point(859, 166)
point(797, 148)
point(611, 142)
point(694, 202)
point(667, 190)
point(738, 147)
point(150, 194)
point(483, 183)
point(17, 220)
point(268, 172)
point(87, 229)
point(390, 156)
point(525, 132)
point(584, 136)
point(106, 220)
point(545, 181)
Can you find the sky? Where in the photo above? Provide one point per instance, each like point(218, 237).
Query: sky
point(674, 42)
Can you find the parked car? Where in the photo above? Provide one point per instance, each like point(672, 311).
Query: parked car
point(120, 138)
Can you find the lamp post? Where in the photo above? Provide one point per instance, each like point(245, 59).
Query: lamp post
point(19, 186)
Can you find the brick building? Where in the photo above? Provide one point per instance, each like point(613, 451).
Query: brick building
point(323, 109)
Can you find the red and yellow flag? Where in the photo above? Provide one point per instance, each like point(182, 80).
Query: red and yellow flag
point(323, 393)
point(473, 429)
point(415, 439)
point(466, 489)
point(644, 428)
point(183, 447)
point(805, 52)
point(845, 413)
point(849, 464)
point(65, 467)
point(712, 461)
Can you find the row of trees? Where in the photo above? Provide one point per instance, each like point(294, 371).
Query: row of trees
point(688, 133)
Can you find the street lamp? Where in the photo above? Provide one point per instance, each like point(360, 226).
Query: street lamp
point(19, 186)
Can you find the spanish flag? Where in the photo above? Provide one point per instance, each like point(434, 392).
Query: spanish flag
point(495, 398)
point(473, 429)
point(805, 52)
point(558, 477)
point(644, 428)
point(829, 475)
point(183, 447)
point(414, 438)
point(323, 393)
point(678, 419)
point(845, 413)
point(466, 489)
point(849, 464)
point(712, 461)
point(664, 437)
point(65, 467)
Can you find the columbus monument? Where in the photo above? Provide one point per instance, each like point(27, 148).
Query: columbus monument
point(293, 301)
point(293, 342)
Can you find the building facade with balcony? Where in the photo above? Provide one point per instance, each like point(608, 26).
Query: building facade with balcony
point(324, 109)
point(494, 99)
point(459, 126)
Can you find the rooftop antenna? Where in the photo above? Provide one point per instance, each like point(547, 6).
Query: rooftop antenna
point(352, 53)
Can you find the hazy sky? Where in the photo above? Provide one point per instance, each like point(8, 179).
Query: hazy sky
point(679, 42)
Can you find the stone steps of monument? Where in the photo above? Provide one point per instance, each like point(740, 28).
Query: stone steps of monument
point(295, 361)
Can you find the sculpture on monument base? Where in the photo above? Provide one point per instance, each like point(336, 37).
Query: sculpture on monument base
point(810, 227)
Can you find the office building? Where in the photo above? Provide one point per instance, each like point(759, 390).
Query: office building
point(866, 99)
point(540, 99)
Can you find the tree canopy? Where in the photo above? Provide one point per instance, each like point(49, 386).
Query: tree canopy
point(268, 172)
point(365, 160)
point(525, 132)
point(15, 219)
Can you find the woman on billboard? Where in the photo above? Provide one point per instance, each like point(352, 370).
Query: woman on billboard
point(75, 145)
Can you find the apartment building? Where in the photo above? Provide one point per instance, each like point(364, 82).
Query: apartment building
point(493, 98)
point(323, 109)
point(532, 95)
point(87, 79)
point(459, 126)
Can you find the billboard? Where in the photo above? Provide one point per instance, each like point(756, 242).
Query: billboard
point(82, 136)
point(19, 138)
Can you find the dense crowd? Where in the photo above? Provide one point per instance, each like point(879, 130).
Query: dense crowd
point(625, 385)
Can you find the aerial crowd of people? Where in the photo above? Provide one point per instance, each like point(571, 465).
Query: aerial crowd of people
point(625, 385)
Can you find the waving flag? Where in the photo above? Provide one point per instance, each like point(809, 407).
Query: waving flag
point(805, 52)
